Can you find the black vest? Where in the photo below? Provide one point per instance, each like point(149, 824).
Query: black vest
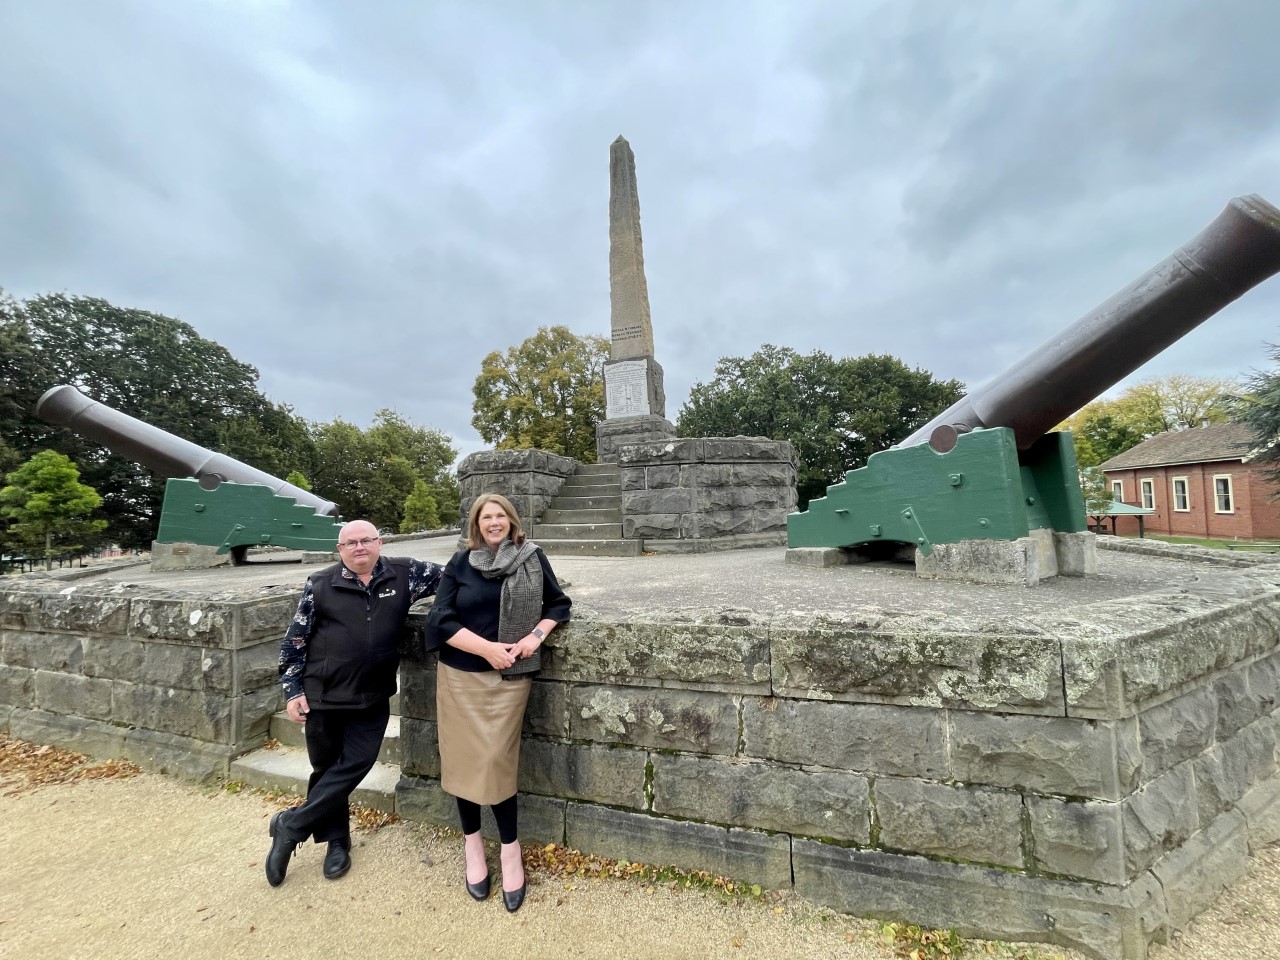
point(354, 649)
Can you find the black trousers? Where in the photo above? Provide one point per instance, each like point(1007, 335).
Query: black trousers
point(343, 746)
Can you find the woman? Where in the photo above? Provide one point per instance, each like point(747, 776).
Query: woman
point(497, 601)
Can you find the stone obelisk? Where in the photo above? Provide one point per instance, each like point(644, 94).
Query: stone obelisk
point(635, 404)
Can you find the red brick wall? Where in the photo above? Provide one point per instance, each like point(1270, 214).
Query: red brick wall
point(1255, 516)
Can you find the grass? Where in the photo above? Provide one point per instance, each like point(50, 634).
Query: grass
point(1266, 546)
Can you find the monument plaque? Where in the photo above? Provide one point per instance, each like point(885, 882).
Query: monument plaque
point(627, 389)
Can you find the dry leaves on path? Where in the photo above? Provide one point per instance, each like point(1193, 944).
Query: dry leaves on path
point(28, 766)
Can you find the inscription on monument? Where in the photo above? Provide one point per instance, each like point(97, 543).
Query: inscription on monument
point(626, 386)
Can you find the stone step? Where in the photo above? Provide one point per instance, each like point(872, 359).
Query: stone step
point(287, 769)
point(591, 548)
point(570, 489)
point(581, 516)
point(577, 531)
point(594, 479)
point(291, 734)
point(587, 503)
point(598, 470)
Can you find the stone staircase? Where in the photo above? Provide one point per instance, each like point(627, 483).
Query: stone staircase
point(585, 518)
point(286, 768)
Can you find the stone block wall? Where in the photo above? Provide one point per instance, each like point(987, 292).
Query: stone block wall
point(175, 682)
point(1093, 779)
point(530, 479)
point(709, 493)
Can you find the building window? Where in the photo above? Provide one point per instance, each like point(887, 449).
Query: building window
point(1222, 500)
point(1117, 491)
point(1181, 502)
point(1149, 493)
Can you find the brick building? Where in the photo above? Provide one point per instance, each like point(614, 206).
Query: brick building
point(1200, 481)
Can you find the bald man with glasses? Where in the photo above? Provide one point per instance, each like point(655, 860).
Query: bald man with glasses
point(338, 663)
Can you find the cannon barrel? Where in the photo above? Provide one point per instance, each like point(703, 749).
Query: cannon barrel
point(159, 451)
point(1235, 253)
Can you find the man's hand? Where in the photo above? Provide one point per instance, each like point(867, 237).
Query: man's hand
point(298, 708)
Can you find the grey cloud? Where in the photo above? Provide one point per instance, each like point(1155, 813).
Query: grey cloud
point(364, 200)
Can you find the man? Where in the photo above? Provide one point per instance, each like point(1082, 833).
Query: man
point(338, 666)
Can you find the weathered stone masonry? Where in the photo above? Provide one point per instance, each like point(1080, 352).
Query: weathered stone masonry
point(1094, 780)
point(182, 684)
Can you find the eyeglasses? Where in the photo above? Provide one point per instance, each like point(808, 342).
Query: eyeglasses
point(362, 542)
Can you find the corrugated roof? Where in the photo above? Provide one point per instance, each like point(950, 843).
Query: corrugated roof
point(1226, 441)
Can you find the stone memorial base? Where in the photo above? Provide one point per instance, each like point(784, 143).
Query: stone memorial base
point(1024, 562)
point(695, 494)
point(167, 557)
point(1044, 554)
point(530, 479)
point(1091, 775)
point(613, 434)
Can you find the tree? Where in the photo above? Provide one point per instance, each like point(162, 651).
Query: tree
point(545, 394)
point(298, 479)
point(21, 380)
point(152, 367)
point(1096, 491)
point(1258, 407)
point(49, 510)
point(1108, 427)
point(370, 474)
point(420, 510)
point(836, 413)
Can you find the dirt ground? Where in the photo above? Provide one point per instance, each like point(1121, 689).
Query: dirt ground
point(148, 866)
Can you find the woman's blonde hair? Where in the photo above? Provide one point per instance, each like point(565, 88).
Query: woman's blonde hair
point(475, 539)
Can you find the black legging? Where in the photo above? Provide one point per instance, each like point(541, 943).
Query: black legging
point(504, 813)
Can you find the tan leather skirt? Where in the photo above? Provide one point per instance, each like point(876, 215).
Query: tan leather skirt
point(479, 717)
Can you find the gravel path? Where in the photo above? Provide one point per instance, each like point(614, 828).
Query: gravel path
point(154, 867)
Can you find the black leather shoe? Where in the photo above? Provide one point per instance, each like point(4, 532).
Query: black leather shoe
point(338, 860)
point(512, 899)
point(282, 848)
point(479, 891)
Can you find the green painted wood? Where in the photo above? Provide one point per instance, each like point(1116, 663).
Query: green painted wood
point(241, 515)
point(980, 490)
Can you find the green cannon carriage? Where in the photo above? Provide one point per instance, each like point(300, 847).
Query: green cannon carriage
point(988, 471)
point(214, 505)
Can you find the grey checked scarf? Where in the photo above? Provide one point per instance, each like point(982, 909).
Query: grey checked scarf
point(521, 606)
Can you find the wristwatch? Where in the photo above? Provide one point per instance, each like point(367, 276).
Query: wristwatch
point(537, 632)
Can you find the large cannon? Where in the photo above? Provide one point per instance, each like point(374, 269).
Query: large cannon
point(224, 504)
point(987, 469)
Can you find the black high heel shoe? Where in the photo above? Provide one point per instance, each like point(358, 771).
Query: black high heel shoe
point(512, 899)
point(479, 891)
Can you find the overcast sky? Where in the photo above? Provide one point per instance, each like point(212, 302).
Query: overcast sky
point(363, 199)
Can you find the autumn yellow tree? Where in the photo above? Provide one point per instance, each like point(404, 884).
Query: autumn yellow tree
point(545, 394)
point(1107, 427)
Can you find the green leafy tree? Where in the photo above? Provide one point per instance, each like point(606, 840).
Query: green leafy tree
point(1096, 491)
point(154, 368)
point(48, 509)
point(370, 474)
point(21, 381)
point(545, 394)
point(836, 413)
point(421, 512)
point(1258, 408)
point(298, 479)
